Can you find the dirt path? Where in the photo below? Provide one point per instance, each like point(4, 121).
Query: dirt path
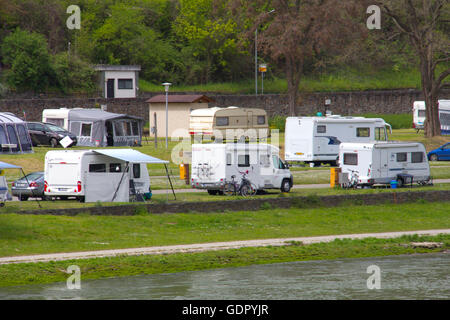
point(207, 246)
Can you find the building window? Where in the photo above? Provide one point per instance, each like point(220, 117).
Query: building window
point(126, 84)
point(97, 167)
point(115, 167)
point(416, 157)
point(86, 129)
point(222, 121)
point(261, 120)
point(244, 160)
point(401, 157)
point(363, 132)
point(321, 129)
point(351, 159)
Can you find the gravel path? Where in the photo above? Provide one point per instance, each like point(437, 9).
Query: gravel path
point(207, 246)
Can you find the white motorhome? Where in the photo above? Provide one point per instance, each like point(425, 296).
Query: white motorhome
point(316, 140)
point(97, 175)
point(382, 162)
point(214, 164)
point(419, 115)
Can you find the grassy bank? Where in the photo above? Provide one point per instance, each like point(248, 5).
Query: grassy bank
point(36, 273)
point(30, 234)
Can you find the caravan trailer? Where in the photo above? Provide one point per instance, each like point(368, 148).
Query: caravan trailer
point(316, 140)
point(382, 162)
point(214, 164)
point(419, 115)
point(93, 175)
point(208, 121)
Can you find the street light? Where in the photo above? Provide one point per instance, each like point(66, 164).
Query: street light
point(256, 55)
point(166, 87)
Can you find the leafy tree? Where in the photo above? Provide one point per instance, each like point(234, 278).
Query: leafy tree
point(27, 56)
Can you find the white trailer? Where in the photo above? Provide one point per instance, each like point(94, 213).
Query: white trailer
point(214, 164)
point(106, 175)
point(382, 162)
point(58, 117)
point(316, 140)
point(419, 115)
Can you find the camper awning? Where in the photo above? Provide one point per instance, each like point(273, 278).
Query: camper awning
point(129, 155)
point(4, 165)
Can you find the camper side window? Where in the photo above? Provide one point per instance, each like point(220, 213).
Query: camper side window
point(97, 167)
point(321, 129)
point(136, 170)
point(363, 132)
point(351, 159)
point(222, 121)
point(86, 129)
point(228, 159)
point(416, 157)
point(401, 157)
point(244, 160)
point(115, 167)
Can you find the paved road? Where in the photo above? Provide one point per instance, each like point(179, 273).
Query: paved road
point(208, 246)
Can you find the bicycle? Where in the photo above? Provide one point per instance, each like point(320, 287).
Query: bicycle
point(353, 181)
point(245, 188)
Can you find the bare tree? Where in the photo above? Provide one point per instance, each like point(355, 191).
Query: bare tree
point(299, 31)
point(425, 23)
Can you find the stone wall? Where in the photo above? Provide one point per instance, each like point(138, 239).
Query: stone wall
point(344, 103)
point(255, 204)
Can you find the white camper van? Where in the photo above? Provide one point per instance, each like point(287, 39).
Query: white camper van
point(382, 162)
point(95, 175)
point(419, 115)
point(214, 164)
point(316, 140)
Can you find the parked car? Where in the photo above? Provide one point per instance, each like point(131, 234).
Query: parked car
point(441, 153)
point(32, 185)
point(48, 134)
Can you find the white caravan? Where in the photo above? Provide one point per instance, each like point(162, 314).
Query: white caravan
point(213, 165)
point(382, 162)
point(316, 140)
point(419, 115)
point(96, 175)
point(59, 117)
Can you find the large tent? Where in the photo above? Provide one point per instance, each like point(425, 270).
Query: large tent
point(97, 128)
point(14, 136)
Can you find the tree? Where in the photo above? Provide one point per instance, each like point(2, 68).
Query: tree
point(27, 56)
point(298, 31)
point(425, 23)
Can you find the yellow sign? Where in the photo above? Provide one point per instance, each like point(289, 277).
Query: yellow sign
point(263, 68)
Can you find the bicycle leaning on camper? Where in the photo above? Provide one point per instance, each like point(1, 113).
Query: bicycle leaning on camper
point(245, 188)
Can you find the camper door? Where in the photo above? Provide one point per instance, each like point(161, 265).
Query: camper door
point(385, 161)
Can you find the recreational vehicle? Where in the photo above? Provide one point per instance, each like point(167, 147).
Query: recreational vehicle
point(316, 140)
point(419, 115)
point(232, 121)
point(383, 162)
point(214, 164)
point(107, 175)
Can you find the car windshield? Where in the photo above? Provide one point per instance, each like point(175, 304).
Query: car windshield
point(32, 176)
point(55, 128)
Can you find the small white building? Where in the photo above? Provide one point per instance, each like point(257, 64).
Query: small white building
point(119, 81)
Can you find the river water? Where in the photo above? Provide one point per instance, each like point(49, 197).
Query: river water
point(425, 276)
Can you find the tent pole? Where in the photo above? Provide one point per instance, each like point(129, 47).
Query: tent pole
point(171, 186)
point(120, 182)
point(28, 184)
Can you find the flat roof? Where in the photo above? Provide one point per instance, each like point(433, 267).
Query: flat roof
point(180, 98)
point(107, 67)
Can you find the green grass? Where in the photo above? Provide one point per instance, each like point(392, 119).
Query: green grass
point(34, 234)
point(37, 273)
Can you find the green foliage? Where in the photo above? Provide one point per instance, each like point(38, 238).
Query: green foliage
point(29, 60)
point(73, 74)
point(277, 122)
point(397, 121)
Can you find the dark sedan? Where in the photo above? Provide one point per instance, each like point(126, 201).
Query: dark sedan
point(32, 185)
point(48, 134)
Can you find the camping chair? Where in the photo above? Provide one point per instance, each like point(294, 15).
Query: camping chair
point(135, 196)
point(4, 193)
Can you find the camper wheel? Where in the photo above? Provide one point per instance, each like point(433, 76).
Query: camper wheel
point(23, 198)
point(399, 182)
point(212, 192)
point(80, 199)
point(286, 185)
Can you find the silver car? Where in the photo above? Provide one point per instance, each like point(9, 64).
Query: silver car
point(31, 186)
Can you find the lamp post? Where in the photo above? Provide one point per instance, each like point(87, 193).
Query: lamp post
point(166, 87)
point(256, 55)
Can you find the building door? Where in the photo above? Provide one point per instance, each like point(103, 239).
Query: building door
point(110, 88)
